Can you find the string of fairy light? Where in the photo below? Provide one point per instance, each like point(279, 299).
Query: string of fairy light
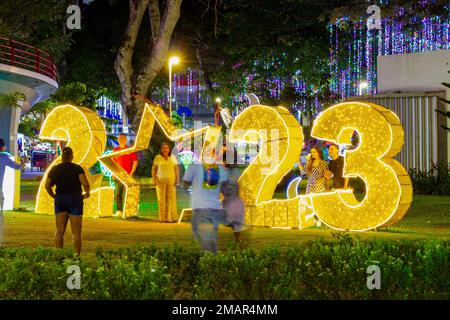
point(354, 48)
point(186, 88)
point(353, 53)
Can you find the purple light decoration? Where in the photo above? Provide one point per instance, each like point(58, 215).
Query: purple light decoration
point(393, 38)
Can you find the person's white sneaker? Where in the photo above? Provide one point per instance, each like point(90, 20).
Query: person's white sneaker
point(124, 217)
point(118, 214)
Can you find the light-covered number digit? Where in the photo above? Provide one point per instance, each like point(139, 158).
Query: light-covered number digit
point(282, 141)
point(388, 186)
point(85, 133)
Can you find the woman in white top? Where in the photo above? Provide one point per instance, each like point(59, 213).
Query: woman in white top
point(165, 175)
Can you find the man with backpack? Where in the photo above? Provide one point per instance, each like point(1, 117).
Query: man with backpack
point(208, 213)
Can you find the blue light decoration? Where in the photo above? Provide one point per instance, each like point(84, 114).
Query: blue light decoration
point(308, 103)
point(354, 48)
point(110, 109)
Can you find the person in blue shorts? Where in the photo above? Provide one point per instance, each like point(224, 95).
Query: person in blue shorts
point(68, 178)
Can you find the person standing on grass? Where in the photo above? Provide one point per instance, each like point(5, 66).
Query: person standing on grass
point(68, 178)
point(129, 163)
point(165, 175)
point(5, 161)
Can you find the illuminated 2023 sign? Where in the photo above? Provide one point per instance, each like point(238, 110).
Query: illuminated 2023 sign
point(388, 186)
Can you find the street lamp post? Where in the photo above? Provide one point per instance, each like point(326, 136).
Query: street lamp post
point(172, 61)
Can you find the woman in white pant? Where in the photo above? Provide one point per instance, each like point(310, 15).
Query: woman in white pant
point(165, 175)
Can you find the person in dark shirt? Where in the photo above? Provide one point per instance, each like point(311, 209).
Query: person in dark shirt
point(336, 166)
point(68, 178)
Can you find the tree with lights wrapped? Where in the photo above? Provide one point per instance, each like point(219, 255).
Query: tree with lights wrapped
point(405, 27)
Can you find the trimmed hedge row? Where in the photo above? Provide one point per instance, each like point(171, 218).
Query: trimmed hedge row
point(322, 269)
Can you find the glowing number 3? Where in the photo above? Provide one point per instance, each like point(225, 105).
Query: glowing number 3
point(388, 186)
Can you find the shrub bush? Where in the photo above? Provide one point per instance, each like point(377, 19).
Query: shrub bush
point(435, 181)
point(321, 269)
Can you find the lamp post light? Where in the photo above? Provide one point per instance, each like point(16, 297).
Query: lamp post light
point(217, 108)
point(172, 61)
point(362, 85)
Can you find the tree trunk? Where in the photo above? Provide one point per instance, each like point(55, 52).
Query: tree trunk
point(205, 70)
point(134, 82)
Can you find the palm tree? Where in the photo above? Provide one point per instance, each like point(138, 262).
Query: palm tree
point(11, 99)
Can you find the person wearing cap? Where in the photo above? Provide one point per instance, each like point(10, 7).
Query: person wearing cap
point(5, 161)
point(68, 178)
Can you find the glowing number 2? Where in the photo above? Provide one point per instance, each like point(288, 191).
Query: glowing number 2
point(388, 186)
point(85, 134)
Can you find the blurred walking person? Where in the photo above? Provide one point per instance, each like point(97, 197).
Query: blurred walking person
point(232, 202)
point(208, 213)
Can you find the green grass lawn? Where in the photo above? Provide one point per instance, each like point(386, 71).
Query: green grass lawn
point(429, 217)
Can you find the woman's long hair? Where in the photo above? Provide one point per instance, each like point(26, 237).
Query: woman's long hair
point(309, 166)
point(161, 146)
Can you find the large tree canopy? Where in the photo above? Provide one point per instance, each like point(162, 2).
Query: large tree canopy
point(235, 44)
point(243, 45)
point(135, 38)
point(37, 23)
